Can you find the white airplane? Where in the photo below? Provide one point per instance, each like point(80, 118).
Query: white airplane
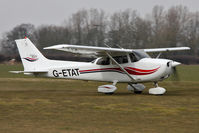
point(132, 66)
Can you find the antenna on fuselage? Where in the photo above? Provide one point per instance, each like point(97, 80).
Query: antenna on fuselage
point(159, 55)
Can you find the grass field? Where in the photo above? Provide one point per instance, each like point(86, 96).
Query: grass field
point(43, 105)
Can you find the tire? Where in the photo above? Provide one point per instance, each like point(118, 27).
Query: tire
point(111, 93)
point(137, 92)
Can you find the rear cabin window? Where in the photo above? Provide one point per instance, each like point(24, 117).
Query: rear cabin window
point(103, 61)
point(121, 59)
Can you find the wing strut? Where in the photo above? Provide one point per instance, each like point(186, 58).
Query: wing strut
point(159, 55)
point(122, 68)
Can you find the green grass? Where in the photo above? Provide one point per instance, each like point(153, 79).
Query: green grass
point(5, 68)
point(187, 73)
point(46, 105)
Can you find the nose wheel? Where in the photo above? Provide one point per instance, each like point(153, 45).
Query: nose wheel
point(157, 90)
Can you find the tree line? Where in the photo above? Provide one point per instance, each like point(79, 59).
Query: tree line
point(176, 26)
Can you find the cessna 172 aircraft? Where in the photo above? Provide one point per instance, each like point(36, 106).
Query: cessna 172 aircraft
point(132, 66)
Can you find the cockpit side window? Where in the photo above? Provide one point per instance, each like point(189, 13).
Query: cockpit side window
point(121, 59)
point(103, 61)
point(133, 57)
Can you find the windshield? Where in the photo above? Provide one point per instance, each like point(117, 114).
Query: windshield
point(93, 61)
point(141, 54)
point(103, 61)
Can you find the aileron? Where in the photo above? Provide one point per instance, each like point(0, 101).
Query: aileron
point(166, 49)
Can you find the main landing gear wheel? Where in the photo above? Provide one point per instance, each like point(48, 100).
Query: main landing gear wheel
point(111, 93)
point(136, 88)
point(137, 92)
point(107, 89)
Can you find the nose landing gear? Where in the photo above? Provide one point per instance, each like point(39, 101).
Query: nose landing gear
point(157, 90)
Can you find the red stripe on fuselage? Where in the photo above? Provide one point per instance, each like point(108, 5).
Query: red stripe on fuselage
point(141, 70)
point(130, 70)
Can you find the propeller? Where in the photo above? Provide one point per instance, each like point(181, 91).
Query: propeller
point(175, 74)
point(174, 65)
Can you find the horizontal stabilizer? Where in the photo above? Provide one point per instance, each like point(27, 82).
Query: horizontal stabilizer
point(28, 71)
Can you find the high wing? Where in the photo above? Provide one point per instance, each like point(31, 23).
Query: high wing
point(99, 51)
point(89, 50)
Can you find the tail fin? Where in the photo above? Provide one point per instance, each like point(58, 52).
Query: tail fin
point(31, 57)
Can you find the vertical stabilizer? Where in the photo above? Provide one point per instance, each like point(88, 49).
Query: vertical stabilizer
point(31, 57)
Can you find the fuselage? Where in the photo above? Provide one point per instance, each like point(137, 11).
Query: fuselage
point(113, 65)
point(144, 70)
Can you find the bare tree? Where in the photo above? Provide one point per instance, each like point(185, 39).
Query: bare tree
point(51, 35)
point(120, 28)
point(129, 30)
point(88, 27)
point(158, 26)
point(176, 26)
point(192, 33)
point(20, 31)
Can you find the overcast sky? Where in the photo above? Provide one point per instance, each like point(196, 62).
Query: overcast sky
point(37, 12)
